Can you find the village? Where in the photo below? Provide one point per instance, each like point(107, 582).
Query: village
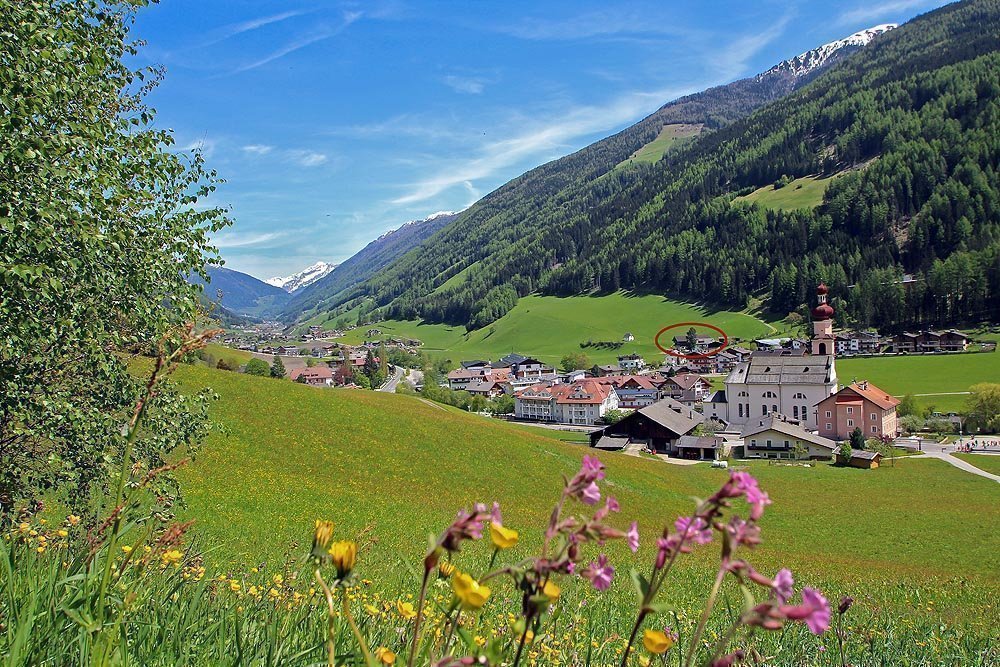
point(708, 398)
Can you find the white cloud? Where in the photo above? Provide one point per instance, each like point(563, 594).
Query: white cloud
point(258, 149)
point(316, 35)
point(592, 24)
point(234, 239)
point(307, 158)
point(871, 12)
point(472, 85)
point(233, 29)
point(204, 146)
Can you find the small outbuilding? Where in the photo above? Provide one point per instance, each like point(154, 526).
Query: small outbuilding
point(861, 458)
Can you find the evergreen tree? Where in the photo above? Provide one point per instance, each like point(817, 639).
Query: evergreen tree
point(277, 368)
point(857, 438)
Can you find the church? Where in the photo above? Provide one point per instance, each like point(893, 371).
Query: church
point(787, 382)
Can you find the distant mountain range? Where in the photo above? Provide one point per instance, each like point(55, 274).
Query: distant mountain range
point(811, 60)
point(239, 293)
point(303, 278)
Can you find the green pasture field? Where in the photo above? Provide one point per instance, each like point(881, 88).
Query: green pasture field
point(942, 376)
point(985, 462)
point(669, 136)
point(550, 327)
point(805, 192)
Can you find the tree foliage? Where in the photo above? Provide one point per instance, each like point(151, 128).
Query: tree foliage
point(984, 407)
point(98, 231)
point(257, 367)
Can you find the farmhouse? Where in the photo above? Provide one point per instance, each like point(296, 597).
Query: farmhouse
point(930, 341)
point(700, 447)
point(859, 405)
point(774, 437)
point(688, 388)
point(657, 426)
point(634, 391)
point(319, 375)
point(858, 342)
point(631, 362)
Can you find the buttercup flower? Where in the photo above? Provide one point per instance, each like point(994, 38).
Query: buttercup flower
point(406, 610)
point(385, 656)
point(503, 538)
point(656, 641)
point(469, 592)
point(632, 536)
point(551, 590)
point(345, 554)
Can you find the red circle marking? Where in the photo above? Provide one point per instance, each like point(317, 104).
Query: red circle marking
point(706, 355)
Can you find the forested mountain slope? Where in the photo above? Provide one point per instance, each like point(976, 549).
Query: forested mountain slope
point(363, 265)
point(241, 294)
point(911, 121)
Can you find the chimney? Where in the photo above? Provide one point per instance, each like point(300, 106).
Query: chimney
point(863, 385)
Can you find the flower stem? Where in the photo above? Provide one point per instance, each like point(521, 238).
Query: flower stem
point(635, 631)
point(420, 614)
point(693, 646)
point(345, 605)
point(330, 647)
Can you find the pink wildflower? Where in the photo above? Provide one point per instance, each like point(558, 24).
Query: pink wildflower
point(783, 583)
point(583, 486)
point(591, 494)
point(693, 529)
point(600, 573)
point(632, 536)
point(468, 526)
point(743, 533)
point(814, 610)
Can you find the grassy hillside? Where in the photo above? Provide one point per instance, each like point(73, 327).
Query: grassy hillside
point(940, 376)
point(402, 467)
point(805, 192)
point(550, 327)
point(670, 136)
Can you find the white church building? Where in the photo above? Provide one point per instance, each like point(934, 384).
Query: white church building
point(788, 382)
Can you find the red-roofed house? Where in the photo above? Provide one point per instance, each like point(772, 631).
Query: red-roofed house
point(634, 391)
point(582, 402)
point(688, 388)
point(319, 375)
point(859, 405)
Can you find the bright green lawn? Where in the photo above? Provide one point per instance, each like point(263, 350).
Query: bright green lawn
point(982, 461)
point(549, 327)
point(233, 357)
point(291, 453)
point(668, 137)
point(942, 375)
point(806, 192)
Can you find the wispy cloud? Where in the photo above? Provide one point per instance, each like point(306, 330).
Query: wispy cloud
point(307, 158)
point(237, 240)
point(872, 12)
point(407, 124)
point(233, 29)
point(316, 35)
point(733, 59)
point(258, 149)
point(204, 146)
point(472, 85)
point(592, 24)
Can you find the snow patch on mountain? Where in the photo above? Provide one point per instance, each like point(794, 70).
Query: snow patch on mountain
point(806, 62)
point(306, 276)
point(432, 216)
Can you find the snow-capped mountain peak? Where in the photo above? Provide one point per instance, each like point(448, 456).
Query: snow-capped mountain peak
point(306, 276)
point(806, 62)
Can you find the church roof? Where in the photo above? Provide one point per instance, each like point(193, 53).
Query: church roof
point(774, 369)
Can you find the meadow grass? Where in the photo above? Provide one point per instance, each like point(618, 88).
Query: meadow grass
point(943, 375)
point(550, 327)
point(805, 192)
point(670, 136)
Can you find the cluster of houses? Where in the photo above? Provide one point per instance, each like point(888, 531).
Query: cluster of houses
point(855, 343)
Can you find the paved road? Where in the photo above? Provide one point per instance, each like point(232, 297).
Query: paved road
point(390, 384)
point(944, 453)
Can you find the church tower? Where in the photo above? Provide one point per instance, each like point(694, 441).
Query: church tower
point(823, 340)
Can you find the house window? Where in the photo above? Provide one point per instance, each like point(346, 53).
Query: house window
point(805, 413)
point(850, 422)
point(874, 429)
point(850, 410)
point(827, 414)
point(874, 417)
point(763, 410)
point(829, 426)
point(774, 408)
point(769, 444)
point(795, 411)
point(741, 409)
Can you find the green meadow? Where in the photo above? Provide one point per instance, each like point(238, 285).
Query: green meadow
point(671, 135)
point(987, 462)
point(549, 327)
point(942, 378)
point(400, 468)
point(805, 192)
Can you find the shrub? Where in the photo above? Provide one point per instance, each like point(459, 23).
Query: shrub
point(257, 367)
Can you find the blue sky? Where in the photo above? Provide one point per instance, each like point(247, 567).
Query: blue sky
point(333, 122)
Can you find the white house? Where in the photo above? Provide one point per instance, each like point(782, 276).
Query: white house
point(773, 437)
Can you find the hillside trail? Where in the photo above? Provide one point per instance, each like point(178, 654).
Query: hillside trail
point(958, 463)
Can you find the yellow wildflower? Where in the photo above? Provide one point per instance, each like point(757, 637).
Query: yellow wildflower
point(62, 532)
point(371, 609)
point(656, 641)
point(234, 586)
point(406, 610)
point(445, 569)
point(551, 590)
point(322, 538)
point(40, 550)
point(126, 549)
point(644, 661)
point(277, 579)
point(345, 554)
point(385, 656)
point(24, 527)
point(73, 519)
point(173, 556)
point(503, 538)
point(469, 592)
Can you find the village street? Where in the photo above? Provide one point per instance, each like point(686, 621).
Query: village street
point(934, 450)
